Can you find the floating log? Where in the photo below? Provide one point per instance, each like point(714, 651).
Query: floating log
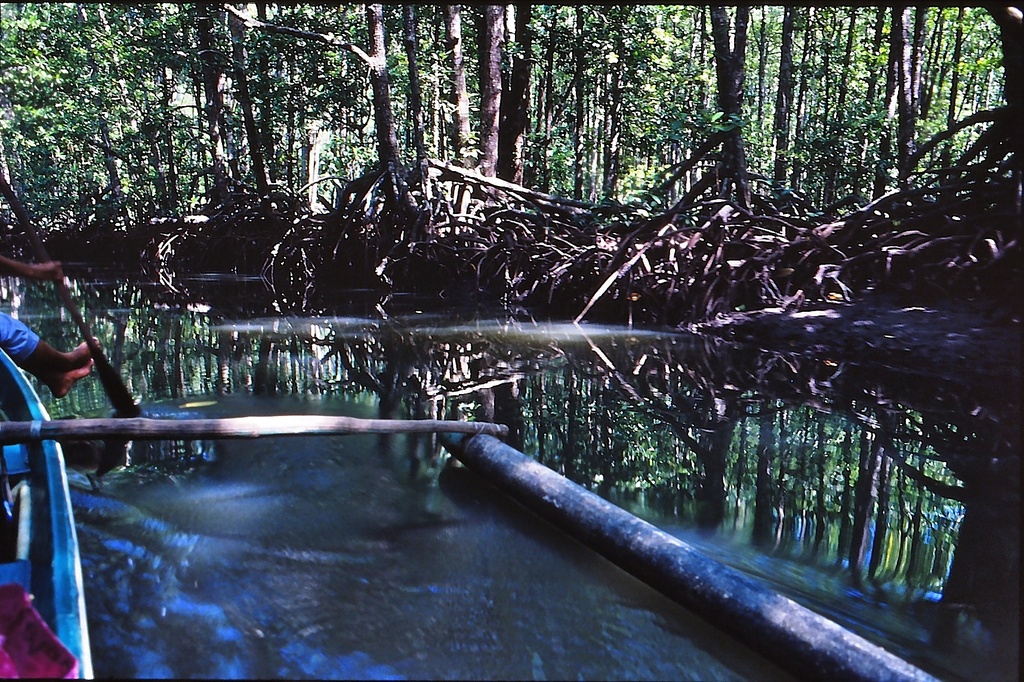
point(794, 637)
point(141, 428)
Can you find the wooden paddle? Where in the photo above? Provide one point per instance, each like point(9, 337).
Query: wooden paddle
point(141, 428)
point(123, 401)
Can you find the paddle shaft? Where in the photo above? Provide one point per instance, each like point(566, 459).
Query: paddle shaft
point(141, 428)
point(118, 393)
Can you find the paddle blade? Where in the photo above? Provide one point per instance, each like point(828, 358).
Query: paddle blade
point(123, 401)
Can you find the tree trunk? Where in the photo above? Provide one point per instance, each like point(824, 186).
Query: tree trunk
point(592, 146)
point(913, 542)
point(459, 99)
point(508, 410)
point(170, 167)
point(844, 80)
point(213, 90)
point(700, 39)
point(831, 175)
point(710, 494)
point(579, 123)
point(383, 116)
point(820, 509)
point(781, 494)
point(806, 50)
point(935, 68)
point(415, 91)
point(881, 518)
point(543, 179)
point(225, 350)
point(403, 211)
point(763, 489)
point(490, 44)
point(109, 160)
point(439, 130)
point(762, 66)
point(906, 120)
point(515, 101)
point(784, 99)
point(573, 440)
point(826, 42)
point(945, 158)
point(267, 110)
point(290, 135)
point(827, 158)
point(1011, 33)
point(311, 153)
point(612, 126)
point(872, 87)
point(7, 114)
point(729, 61)
point(263, 382)
point(846, 498)
point(252, 134)
point(892, 70)
point(917, 59)
point(864, 496)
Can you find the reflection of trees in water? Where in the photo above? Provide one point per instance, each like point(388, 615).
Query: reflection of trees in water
point(909, 486)
point(820, 464)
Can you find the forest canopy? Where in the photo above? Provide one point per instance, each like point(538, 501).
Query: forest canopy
point(128, 114)
point(103, 103)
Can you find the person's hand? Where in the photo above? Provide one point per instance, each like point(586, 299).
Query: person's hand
point(50, 270)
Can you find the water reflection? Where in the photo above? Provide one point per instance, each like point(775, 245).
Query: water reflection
point(311, 558)
point(887, 500)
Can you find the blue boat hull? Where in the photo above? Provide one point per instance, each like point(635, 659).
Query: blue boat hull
point(42, 554)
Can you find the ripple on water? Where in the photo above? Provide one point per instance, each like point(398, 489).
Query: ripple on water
point(301, 660)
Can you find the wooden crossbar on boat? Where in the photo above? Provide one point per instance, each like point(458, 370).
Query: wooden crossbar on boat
point(792, 636)
point(143, 428)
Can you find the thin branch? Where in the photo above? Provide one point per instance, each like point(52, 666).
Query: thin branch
point(952, 492)
point(989, 116)
point(327, 39)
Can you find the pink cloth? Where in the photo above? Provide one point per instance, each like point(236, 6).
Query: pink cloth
point(28, 647)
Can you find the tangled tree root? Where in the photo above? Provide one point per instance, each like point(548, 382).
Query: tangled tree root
point(956, 236)
point(957, 239)
point(451, 231)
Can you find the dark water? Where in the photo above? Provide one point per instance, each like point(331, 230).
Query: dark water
point(885, 499)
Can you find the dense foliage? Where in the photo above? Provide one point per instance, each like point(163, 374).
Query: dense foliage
point(105, 112)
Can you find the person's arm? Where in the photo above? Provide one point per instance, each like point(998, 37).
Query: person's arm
point(50, 270)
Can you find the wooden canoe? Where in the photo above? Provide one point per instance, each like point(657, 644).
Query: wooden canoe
point(39, 545)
